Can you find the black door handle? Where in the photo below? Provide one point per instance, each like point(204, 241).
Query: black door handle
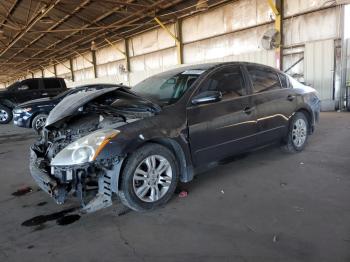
point(290, 97)
point(248, 110)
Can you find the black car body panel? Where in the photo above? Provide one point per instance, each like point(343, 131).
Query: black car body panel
point(197, 134)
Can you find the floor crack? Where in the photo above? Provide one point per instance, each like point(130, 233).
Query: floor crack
point(127, 243)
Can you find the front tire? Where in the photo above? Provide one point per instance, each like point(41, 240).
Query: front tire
point(297, 134)
point(149, 178)
point(5, 115)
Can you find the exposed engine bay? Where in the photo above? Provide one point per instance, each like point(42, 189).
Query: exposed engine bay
point(92, 182)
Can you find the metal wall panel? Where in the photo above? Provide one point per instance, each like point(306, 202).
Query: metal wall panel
point(37, 74)
point(319, 67)
point(293, 7)
point(63, 69)
point(84, 74)
point(151, 41)
point(226, 19)
point(229, 45)
point(110, 53)
point(49, 72)
point(157, 60)
point(321, 25)
point(82, 62)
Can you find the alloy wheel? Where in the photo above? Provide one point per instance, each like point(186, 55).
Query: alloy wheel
point(3, 115)
point(40, 122)
point(152, 178)
point(299, 132)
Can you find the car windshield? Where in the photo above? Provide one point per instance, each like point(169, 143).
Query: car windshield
point(12, 86)
point(166, 88)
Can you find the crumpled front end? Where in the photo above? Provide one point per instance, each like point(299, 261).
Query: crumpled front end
point(76, 155)
point(92, 183)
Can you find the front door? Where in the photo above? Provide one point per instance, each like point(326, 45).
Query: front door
point(223, 128)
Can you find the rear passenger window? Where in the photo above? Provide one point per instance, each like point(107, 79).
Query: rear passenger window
point(52, 83)
point(229, 81)
point(263, 80)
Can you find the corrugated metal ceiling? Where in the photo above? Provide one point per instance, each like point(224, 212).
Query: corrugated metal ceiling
point(35, 33)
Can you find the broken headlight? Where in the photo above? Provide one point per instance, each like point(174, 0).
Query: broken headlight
point(85, 149)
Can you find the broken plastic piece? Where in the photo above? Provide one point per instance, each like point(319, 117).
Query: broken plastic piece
point(183, 193)
point(100, 201)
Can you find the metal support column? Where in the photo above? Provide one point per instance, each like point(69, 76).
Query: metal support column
point(71, 69)
point(125, 54)
point(177, 39)
point(179, 45)
point(55, 70)
point(93, 54)
point(277, 7)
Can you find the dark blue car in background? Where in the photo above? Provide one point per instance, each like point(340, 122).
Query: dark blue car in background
point(33, 114)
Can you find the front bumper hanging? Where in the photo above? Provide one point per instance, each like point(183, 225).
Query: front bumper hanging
point(58, 188)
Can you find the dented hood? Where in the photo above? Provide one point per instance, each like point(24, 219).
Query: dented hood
point(70, 104)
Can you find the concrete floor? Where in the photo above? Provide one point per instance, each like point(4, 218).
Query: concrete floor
point(267, 206)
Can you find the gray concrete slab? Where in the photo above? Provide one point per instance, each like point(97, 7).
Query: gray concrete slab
point(267, 206)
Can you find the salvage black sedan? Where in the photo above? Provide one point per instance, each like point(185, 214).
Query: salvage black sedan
point(139, 144)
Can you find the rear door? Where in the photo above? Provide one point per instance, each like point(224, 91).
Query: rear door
point(220, 129)
point(51, 87)
point(275, 102)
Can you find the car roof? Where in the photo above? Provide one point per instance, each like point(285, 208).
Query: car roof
point(94, 85)
point(207, 66)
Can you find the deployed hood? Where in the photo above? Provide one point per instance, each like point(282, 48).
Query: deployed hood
point(127, 101)
point(71, 103)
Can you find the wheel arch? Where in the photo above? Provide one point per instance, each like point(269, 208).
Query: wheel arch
point(308, 114)
point(7, 103)
point(186, 169)
point(35, 115)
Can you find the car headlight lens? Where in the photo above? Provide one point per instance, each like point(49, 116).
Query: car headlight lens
point(22, 110)
point(85, 149)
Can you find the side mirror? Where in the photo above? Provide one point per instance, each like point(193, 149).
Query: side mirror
point(207, 97)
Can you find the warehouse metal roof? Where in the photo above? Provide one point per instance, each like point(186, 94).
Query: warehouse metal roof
point(39, 33)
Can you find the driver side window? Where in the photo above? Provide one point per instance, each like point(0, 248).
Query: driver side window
point(229, 81)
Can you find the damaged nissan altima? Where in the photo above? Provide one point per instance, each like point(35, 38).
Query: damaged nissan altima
point(138, 143)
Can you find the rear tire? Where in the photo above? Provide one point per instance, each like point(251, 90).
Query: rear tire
point(39, 122)
point(297, 134)
point(5, 114)
point(149, 178)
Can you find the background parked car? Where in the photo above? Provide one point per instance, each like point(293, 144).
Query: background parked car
point(33, 114)
point(26, 90)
